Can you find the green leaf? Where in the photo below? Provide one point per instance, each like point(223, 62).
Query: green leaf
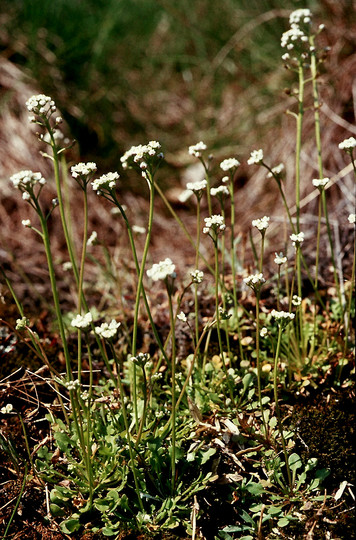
point(56, 510)
point(207, 455)
point(283, 522)
point(62, 440)
point(254, 488)
point(108, 532)
point(70, 525)
point(294, 462)
point(274, 510)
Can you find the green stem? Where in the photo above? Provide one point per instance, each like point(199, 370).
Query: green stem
point(138, 295)
point(233, 264)
point(258, 360)
point(231, 392)
point(17, 503)
point(313, 69)
point(128, 436)
point(299, 140)
point(275, 390)
point(55, 291)
point(173, 377)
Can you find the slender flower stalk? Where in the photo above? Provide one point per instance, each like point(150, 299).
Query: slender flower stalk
point(173, 386)
point(214, 226)
point(282, 319)
point(127, 429)
point(256, 282)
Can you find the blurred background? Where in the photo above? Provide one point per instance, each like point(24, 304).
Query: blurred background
point(123, 72)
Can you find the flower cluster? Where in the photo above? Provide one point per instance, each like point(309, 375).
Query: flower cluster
point(72, 385)
point(255, 281)
point(296, 39)
point(296, 300)
point(300, 16)
point(41, 105)
point(229, 164)
point(162, 270)
point(214, 224)
point(22, 323)
point(282, 317)
point(197, 149)
point(83, 169)
point(320, 183)
point(352, 218)
point(82, 321)
point(263, 332)
point(197, 188)
point(348, 144)
point(276, 172)
point(7, 409)
point(256, 157)
point(261, 224)
point(140, 359)
point(182, 317)
point(107, 330)
point(141, 156)
point(106, 182)
point(197, 276)
point(280, 259)
point(220, 191)
point(297, 239)
point(25, 181)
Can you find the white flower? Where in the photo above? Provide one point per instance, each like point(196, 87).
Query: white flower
point(219, 191)
point(281, 316)
point(26, 222)
point(197, 187)
point(261, 224)
point(106, 330)
point(106, 181)
point(138, 230)
point(254, 280)
point(320, 183)
point(72, 385)
point(263, 332)
point(24, 180)
point(22, 323)
point(82, 321)
point(197, 149)
point(352, 218)
point(229, 164)
point(92, 240)
point(162, 270)
point(182, 317)
point(292, 37)
point(7, 409)
point(141, 155)
point(276, 171)
point(255, 157)
point(225, 179)
point(214, 223)
point(83, 169)
point(67, 266)
point(41, 105)
point(297, 239)
point(197, 276)
point(348, 144)
point(280, 258)
point(296, 300)
point(300, 15)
